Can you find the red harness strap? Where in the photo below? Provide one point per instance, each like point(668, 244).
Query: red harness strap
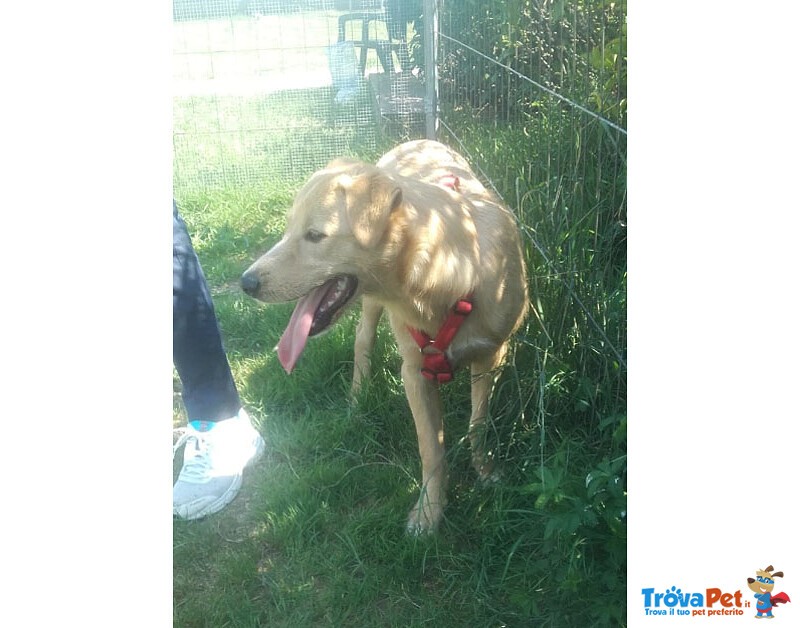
point(435, 365)
point(450, 181)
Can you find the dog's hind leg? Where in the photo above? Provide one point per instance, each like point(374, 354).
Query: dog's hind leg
point(371, 312)
point(484, 374)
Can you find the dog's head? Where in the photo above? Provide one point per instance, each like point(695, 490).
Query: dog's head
point(764, 581)
point(334, 232)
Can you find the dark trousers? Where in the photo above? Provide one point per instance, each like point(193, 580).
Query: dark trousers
point(209, 393)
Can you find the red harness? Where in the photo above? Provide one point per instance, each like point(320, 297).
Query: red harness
point(450, 181)
point(435, 365)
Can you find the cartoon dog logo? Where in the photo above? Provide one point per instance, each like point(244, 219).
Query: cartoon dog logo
point(763, 584)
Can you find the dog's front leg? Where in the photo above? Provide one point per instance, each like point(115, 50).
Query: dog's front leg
point(371, 312)
point(423, 397)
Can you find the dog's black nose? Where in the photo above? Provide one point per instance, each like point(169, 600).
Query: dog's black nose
point(250, 283)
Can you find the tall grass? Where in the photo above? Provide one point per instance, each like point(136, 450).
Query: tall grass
point(316, 537)
point(562, 405)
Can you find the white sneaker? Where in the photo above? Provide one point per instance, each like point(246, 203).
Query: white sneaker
point(213, 461)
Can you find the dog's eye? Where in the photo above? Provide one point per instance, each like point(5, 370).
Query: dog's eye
point(312, 235)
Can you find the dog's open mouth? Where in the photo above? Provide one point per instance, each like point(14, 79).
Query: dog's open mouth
point(313, 314)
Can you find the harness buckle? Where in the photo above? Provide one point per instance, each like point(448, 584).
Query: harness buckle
point(435, 365)
point(430, 349)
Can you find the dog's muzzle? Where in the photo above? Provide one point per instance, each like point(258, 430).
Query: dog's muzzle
point(250, 283)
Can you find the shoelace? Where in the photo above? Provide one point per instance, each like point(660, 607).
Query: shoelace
point(197, 467)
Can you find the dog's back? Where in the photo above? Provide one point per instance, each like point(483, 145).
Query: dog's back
point(432, 161)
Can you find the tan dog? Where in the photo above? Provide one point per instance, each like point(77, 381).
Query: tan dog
point(414, 235)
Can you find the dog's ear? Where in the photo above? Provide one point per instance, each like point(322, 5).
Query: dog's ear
point(778, 574)
point(371, 199)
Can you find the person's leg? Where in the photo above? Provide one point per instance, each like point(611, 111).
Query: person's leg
point(219, 440)
point(209, 392)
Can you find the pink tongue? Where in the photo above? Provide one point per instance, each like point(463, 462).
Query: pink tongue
point(295, 336)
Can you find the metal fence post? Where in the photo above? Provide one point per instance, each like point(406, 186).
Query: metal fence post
point(430, 19)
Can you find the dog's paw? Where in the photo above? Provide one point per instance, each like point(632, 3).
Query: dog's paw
point(424, 519)
point(418, 527)
point(486, 470)
point(492, 478)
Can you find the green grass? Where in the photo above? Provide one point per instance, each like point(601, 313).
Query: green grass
point(226, 139)
point(317, 535)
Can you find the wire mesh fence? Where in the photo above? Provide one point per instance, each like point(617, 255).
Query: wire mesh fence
point(536, 93)
point(279, 87)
